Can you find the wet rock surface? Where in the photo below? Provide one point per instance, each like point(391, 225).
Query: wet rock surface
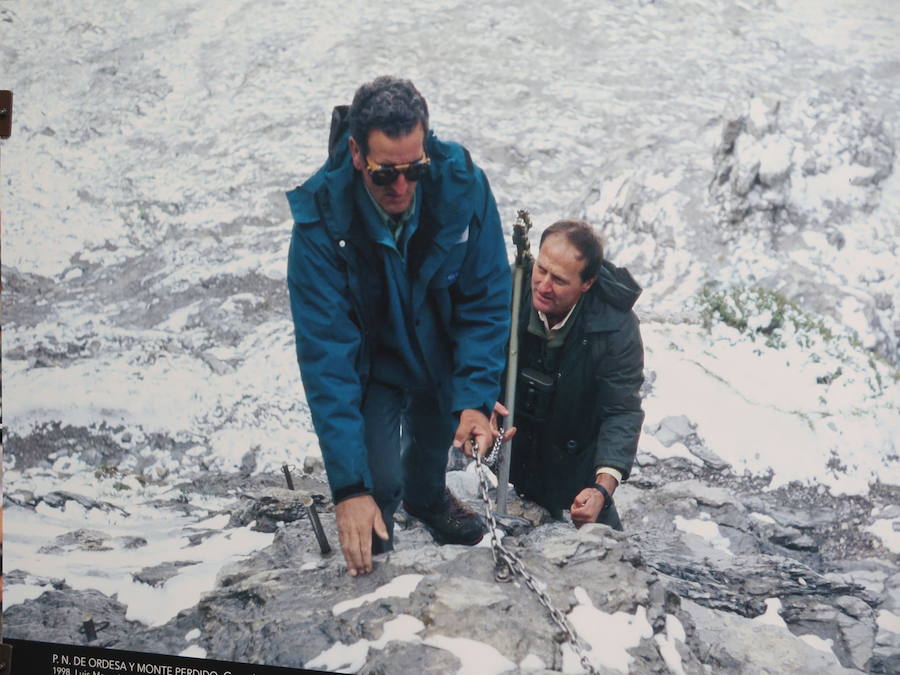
point(718, 587)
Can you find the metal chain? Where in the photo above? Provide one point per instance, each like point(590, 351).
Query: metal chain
point(507, 563)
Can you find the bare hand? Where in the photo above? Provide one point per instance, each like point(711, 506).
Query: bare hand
point(500, 409)
point(586, 506)
point(356, 518)
point(589, 502)
point(473, 426)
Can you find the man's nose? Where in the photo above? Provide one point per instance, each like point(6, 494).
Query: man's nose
point(400, 183)
point(544, 285)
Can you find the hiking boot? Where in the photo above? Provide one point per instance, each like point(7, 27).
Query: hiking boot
point(450, 521)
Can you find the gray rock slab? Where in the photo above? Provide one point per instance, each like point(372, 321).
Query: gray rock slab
point(59, 616)
point(673, 429)
point(735, 644)
point(158, 575)
point(90, 540)
point(269, 507)
point(699, 491)
point(891, 596)
point(708, 457)
point(58, 499)
point(458, 593)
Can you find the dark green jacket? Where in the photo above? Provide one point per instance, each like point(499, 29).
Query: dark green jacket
point(595, 414)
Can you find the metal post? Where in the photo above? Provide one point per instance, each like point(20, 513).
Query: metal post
point(523, 254)
point(89, 629)
point(324, 546)
point(6, 101)
point(5, 131)
point(287, 476)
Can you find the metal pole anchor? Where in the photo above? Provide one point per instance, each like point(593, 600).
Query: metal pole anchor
point(310, 505)
point(287, 476)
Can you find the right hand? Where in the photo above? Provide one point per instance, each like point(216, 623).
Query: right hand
point(586, 507)
point(357, 517)
point(474, 431)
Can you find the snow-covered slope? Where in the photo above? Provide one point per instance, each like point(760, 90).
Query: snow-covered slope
point(739, 158)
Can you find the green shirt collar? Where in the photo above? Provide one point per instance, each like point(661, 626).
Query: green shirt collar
point(394, 225)
point(554, 338)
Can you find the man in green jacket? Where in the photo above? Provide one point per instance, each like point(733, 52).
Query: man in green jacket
point(580, 370)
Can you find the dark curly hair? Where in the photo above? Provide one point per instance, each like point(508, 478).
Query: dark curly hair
point(582, 236)
point(389, 104)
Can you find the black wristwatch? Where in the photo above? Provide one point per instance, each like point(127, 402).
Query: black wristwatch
point(607, 498)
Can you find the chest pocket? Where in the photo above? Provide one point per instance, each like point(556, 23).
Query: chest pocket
point(441, 287)
point(573, 424)
point(449, 270)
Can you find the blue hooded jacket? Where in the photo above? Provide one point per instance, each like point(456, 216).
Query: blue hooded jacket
point(460, 283)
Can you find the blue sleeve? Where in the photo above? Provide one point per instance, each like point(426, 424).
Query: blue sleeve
point(328, 344)
point(481, 311)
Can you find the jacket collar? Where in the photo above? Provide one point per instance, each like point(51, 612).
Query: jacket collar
point(446, 190)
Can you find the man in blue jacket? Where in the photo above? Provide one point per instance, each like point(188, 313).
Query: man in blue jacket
point(399, 287)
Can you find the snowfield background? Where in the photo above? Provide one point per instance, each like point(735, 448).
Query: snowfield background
point(738, 157)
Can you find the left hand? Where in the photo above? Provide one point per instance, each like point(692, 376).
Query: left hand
point(473, 425)
point(586, 506)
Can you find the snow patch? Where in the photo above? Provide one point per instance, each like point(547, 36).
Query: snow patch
point(888, 530)
point(772, 615)
point(705, 529)
point(398, 587)
point(476, 658)
point(351, 658)
point(608, 636)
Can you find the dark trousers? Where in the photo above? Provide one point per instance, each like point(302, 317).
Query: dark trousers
point(407, 440)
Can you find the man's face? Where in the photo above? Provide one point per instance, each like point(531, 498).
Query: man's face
point(385, 151)
point(556, 281)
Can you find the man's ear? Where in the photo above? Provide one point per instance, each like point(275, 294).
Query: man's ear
point(587, 284)
point(356, 154)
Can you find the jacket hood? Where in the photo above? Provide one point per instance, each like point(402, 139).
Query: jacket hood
point(616, 286)
point(340, 127)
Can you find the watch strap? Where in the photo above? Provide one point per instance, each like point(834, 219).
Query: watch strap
point(607, 498)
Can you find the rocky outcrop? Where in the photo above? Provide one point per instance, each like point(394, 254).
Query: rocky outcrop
point(90, 540)
point(811, 161)
point(784, 202)
point(61, 615)
point(750, 606)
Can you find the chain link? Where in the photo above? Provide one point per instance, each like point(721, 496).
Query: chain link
point(507, 563)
